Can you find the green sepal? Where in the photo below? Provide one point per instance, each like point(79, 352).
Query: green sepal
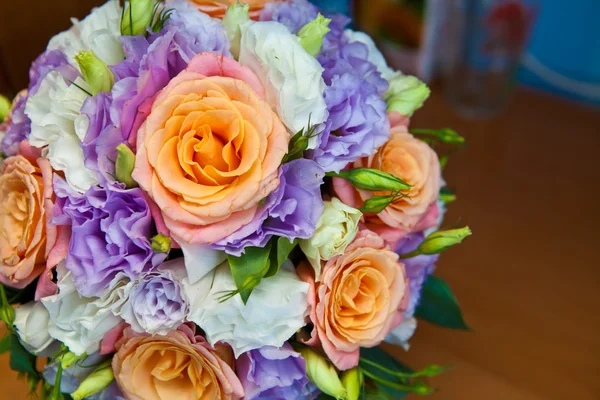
point(249, 269)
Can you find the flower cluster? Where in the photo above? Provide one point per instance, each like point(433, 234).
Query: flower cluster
point(212, 199)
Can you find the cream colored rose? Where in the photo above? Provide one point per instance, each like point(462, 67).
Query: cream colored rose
point(336, 229)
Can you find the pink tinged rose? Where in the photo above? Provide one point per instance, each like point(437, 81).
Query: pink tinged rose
point(29, 244)
point(411, 160)
point(209, 152)
point(360, 299)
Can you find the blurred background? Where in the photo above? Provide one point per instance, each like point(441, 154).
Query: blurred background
point(520, 79)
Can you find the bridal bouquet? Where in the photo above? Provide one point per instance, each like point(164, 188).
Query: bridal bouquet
point(216, 200)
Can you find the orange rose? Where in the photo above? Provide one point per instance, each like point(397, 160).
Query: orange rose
point(360, 299)
point(210, 149)
point(28, 242)
point(180, 365)
point(413, 161)
point(217, 8)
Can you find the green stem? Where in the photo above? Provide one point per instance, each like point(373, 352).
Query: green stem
point(394, 385)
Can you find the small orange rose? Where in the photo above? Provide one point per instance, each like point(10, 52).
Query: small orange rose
point(360, 299)
point(179, 365)
point(27, 239)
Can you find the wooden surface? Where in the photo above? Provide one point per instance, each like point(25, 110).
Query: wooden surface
point(528, 279)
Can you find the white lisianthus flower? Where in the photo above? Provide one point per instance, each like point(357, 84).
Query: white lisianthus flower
point(406, 93)
point(99, 32)
point(275, 310)
point(291, 76)
point(31, 321)
point(116, 296)
point(401, 335)
point(78, 322)
point(336, 228)
point(56, 122)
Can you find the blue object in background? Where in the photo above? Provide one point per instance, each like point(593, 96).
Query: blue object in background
point(334, 6)
point(563, 55)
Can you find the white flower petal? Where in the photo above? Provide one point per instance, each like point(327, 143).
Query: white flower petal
point(276, 309)
point(403, 333)
point(78, 322)
point(200, 259)
point(31, 321)
point(291, 76)
point(56, 122)
point(99, 31)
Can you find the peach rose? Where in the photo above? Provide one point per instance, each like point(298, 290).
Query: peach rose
point(359, 300)
point(411, 160)
point(180, 365)
point(217, 8)
point(29, 244)
point(210, 149)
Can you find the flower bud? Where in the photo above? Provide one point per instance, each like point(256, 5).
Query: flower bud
point(373, 180)
point(95, 382)
point(124, 166)
point(95, 72)
point(137, 16)
point(441, 240)
point(235, 17)
point(5, 106)
point(311, 35)
point(352, 380)
point(323, 374)
point(406, 94)
point(376, 204)
point(161, 243)
point(70, 358)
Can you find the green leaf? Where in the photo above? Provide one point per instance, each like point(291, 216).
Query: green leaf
point(249, 269)
point(5, 343)
point(377, 355)
point(279, 253)
point(439, 305)
point(20, 359)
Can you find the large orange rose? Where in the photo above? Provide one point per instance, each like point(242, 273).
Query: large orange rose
point(28, 242)
point(360, 299)
point(180, 365)
point(413, 161)
point(217, 8)
point(210, 149)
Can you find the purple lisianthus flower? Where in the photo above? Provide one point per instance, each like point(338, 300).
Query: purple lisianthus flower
point(157, 303)
point(111, 231)
point(417, 268)
point(272, 373)
point(357, 123)
point(293, 14)
point(20, 125)
point(291, 211)
point(72, 377)
point(101, 140)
